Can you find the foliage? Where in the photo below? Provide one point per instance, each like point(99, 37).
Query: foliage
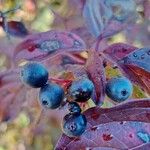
point(74, 39)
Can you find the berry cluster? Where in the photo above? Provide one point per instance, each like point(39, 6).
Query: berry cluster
point(51, 95)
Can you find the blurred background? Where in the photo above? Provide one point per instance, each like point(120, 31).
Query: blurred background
point(23, 130)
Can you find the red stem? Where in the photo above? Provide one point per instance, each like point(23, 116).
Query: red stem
point(63, 82)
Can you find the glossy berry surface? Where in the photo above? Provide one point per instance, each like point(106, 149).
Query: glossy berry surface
point(119, 89)
point(34, 74)
point(74, 124)
point(74, 108)
point(81, 90)
point(51, 96)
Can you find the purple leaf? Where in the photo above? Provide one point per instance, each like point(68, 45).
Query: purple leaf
point(13, 94)
point(107, 17)
point(126, 126)
point(65, 59)
point(139, 32)
point(41, 45)
point(146, 9)
point(117, 51)
point(133, 62)
point(139, 57)
point(16, 28)
point(136, 66)
point(85, 35)
point(95, 70)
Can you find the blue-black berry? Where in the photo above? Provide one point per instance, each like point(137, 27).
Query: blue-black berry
point(119, 89)
point(81, 90)
point(74, 124)
point(34, 74)
point(74, 108)
point(51, 95)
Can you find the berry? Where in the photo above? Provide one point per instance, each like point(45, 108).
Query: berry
point(119, 89)
point(51, 95)
point(74, 108)
point(81, 90)
point(74, 124)
point(34, 74)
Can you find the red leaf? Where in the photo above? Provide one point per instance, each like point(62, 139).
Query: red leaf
point(126, 126)
point(95, 70)
point(117, 51)
point(138, 75)
point(38, 46)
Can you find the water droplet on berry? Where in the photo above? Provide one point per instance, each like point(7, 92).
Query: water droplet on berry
point(72, 126)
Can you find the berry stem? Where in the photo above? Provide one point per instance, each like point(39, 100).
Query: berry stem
point(63, 82)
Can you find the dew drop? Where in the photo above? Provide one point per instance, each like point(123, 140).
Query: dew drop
point(142, 56)
point(122, 122)
point(131, 135)
point(93, 128)
point(33, 47)
point(107, 137)
point(72, 126)
point(134, 54)
point(77, 43)
point(145, 137)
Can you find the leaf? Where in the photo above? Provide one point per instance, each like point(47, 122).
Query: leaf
point(95, 70)
point(146, 9)
point(108, 17)
point(65, 59)
point(126, 126)
point(138, 75)
point(136, 66)
point(133, 62)
point(139, 57)
point(13, 94)
point(85, 35)
point(41, 45)
point(117, 51)
point(16, 29)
